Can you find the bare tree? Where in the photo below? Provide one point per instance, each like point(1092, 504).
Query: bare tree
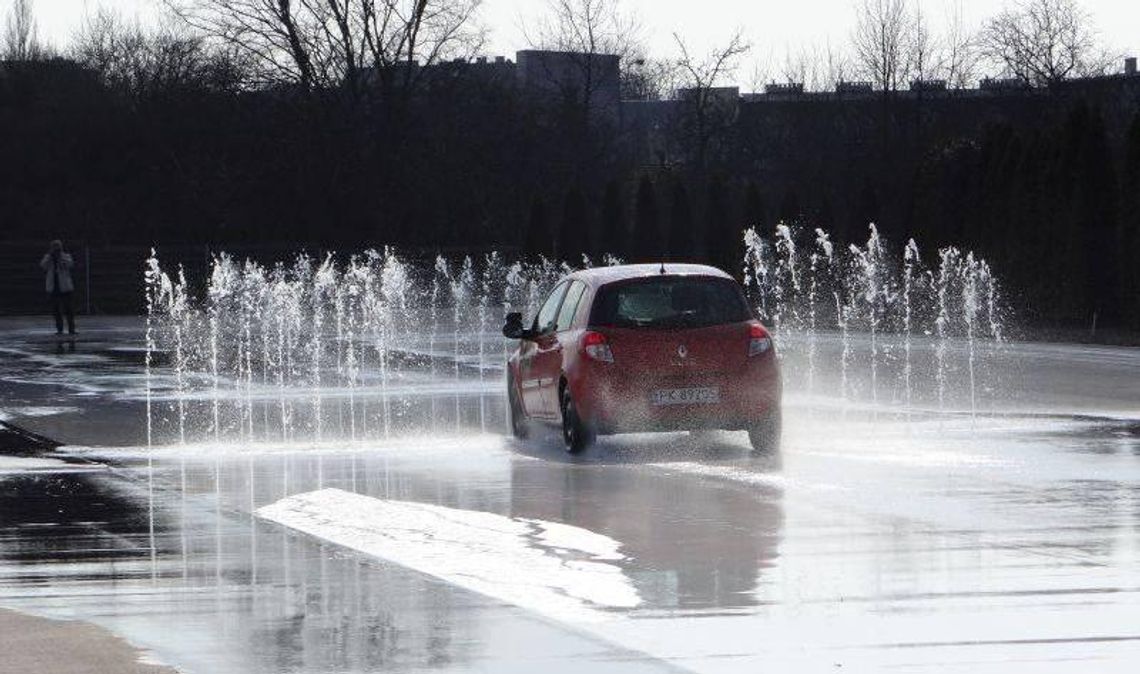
point(328, 43)
point(707, 112)
point(1042, 42)
point(817, 68)
point(880, 41)
point(21, 36)
point(644, 79)
point(836, 67)
point(925, 57)
point(110, 47)
point(960, 48)
point(801, 66)
point(703, 73)
point(585, 30)
point(587, 27)
point(145, 62)
point(761, 73)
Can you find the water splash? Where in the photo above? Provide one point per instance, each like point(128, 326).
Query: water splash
point(885, 300)
point(786, 287)
point(820, 262)
point(947, 273)
point(911, 262)
point(157, 289)
point(340, 347)
point(872, 289)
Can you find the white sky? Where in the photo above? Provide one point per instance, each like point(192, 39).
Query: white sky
point(773, 26)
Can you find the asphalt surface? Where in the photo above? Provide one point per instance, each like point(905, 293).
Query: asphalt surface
point(995, 532)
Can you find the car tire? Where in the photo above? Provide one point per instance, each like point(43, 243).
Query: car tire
point(576, 433)
point(516, 420)
point(765, 434)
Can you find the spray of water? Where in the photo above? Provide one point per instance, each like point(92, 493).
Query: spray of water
point(879, 299)
point(335, 348)
point(911, 260)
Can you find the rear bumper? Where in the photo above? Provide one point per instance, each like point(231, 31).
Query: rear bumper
point(678, 422)
point(612, 401)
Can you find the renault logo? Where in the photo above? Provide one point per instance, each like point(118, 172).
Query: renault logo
point(683, 351)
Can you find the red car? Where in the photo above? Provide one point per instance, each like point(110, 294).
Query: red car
point(641, 348)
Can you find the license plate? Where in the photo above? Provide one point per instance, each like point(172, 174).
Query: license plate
point(686, 396)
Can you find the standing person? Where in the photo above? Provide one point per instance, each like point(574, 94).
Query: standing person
point(57, 265)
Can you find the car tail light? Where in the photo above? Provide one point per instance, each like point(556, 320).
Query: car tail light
point(759, 341)
point(595, 346)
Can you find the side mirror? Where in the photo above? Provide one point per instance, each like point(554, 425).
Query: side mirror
point(513, 329)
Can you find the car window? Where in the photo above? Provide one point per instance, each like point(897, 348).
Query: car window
point(544, 321)
point(670, 301)
point(570, 306)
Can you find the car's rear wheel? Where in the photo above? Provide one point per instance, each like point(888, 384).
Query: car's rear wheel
point(765, 434)
point(575, 431)
point(520, 427)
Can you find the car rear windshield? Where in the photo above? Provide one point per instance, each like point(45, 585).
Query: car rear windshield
point(669, 302)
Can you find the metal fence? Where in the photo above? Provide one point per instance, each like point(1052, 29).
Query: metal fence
point(103, 278)
point(109, 278)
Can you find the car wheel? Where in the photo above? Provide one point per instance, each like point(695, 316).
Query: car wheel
point(575, 432)
point(516, 419)
point(765, 435)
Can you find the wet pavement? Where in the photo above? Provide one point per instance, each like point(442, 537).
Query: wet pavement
point(1002, 535)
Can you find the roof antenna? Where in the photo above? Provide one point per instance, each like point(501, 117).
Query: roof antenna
point(663, 268)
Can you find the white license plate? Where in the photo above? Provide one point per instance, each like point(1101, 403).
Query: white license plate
point(686, 396)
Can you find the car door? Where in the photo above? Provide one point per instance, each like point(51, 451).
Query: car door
point(550, 360)
point(534, 358)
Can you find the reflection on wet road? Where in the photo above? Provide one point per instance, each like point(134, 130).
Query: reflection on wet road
point(938, 542)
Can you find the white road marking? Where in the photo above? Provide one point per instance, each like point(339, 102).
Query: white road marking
point(557, 570)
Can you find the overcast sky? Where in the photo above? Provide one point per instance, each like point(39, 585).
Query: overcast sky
point(773, 27)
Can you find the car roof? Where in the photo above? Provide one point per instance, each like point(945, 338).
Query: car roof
point(599, 276)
